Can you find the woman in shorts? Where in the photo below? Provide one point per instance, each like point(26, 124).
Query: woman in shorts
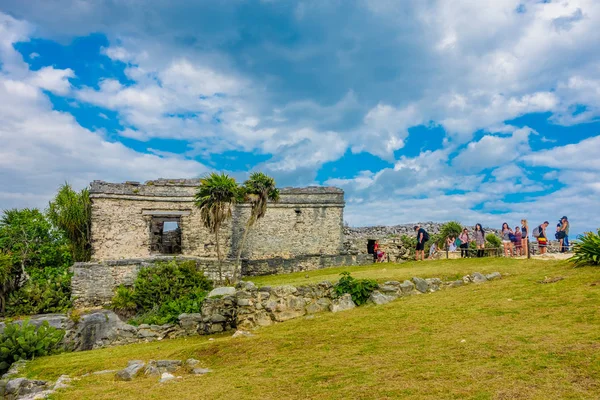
point(506, 242)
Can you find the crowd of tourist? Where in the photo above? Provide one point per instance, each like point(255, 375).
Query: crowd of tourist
point(515, 242)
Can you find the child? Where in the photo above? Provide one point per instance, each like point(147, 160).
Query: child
point(379, 252)
point(518, 241)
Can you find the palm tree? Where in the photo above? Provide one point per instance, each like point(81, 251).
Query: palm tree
point(71, 212)
point(257, 190)
point(215, 196)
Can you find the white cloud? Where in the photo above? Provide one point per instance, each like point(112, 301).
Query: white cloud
point(53, 80)
point(492, 151)
point(579, 156)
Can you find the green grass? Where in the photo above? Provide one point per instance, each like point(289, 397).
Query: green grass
point(508, 339)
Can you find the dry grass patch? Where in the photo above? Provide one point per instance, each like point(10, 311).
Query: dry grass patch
point(508, 339)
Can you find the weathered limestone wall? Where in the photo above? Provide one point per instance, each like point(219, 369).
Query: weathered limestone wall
point(94, 284)
point(305, 221)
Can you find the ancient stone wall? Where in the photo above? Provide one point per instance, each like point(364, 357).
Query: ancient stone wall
point(94, 283)
point(304, 221)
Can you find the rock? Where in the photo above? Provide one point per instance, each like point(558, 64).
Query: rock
point(421, 284)
point(407, 287)
point(62, 382)
point(58, 321)
point(247, 286)
point(191, 362)
point(15, 369)
point(242, 334)
point(168, 365)
point(22, 387)
point(283, 291)
point(457, 283)
point(222, 291)
point(380, 298)
point(342, 304)
point(467, 279)
point(166, 377)
point(244, 302)
point(215, 318)
point(97, 329)
point(493, 275)
point(478, 277)
point(201, 371)
point(190, 322)
point(129, 373)
point(152, 370)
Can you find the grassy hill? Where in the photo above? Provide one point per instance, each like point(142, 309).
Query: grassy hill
point(513, 338)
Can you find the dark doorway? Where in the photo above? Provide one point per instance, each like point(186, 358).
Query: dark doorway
point(165, 235)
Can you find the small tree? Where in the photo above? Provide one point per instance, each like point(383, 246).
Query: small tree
point(28, 246)
point(71, 212)
point(215, 196)
point(257, 190)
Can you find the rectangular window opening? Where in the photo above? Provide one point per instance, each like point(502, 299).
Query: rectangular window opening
point(165, 235)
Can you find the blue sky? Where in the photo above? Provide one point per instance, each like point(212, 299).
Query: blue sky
point(420, 110)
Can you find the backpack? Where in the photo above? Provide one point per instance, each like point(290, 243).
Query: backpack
point(425, 236)
point(512, 237)
point(536, 232)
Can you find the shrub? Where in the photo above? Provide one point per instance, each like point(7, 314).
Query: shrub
point(587, 250)
point(24, 342)
point(41, 295)
point(450, 229)
point(161, 293)
point(493, 240)
point(410, 243)
point(359, 289)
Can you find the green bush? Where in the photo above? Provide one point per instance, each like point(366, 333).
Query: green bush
point(359, 289)
point(587, 250)
point(410, 243)
point(24, 342)
point(161, 293)
point(493, 240)
point(450, 229)
point(41, 296)
point(169, 312)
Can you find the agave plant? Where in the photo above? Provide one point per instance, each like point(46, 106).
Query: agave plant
point(587, 250)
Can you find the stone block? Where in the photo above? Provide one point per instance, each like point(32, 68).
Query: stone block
point(407, 287)
point(130, 372)
point(342, 304)
point(222, 291)
point(379, 298)
point(421, 284)
point(479, 278)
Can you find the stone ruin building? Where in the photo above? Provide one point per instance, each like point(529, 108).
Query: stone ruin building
point(135, 225)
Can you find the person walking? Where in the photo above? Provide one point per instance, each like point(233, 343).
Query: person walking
point(479, 240)
point(422, 237)
point(542, 238)
point(525, 234)
point(464, 243)
point(506, 242)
